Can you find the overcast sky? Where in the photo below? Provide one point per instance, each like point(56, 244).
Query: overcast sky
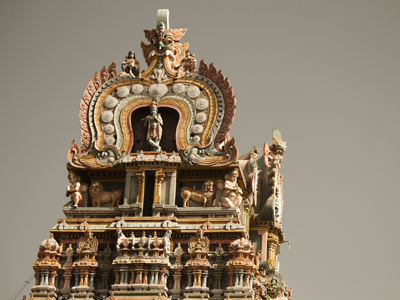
point(326, 73)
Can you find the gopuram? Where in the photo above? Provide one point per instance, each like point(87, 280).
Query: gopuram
point(161, 205)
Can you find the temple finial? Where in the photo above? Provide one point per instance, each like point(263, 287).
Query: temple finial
point(163, 16)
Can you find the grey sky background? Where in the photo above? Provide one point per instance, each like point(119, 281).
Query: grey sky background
point(326, 73)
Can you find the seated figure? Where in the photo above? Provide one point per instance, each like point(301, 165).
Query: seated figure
point(231, 196)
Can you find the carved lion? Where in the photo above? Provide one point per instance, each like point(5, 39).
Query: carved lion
point(205, 195)
point(100, 196)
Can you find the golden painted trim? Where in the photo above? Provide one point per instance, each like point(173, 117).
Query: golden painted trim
point(125, 119)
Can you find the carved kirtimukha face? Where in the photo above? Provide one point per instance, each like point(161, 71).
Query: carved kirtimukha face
point(165, 43)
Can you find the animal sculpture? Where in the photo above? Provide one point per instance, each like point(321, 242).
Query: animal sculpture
point(99, 196)
point(205, 195)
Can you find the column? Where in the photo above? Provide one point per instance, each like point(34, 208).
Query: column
point(91, 278)
point(264, 242)
point(162, 276)
point(116, 272)
point(132, 276)
point(172, 189)
point(189, 274)
point(37, 277)
point(272, 244)
point(139, 177)
point(240, 277)
point(127, 187)
point(53, 275)
point(76, 275)
point(205, 274)
point(157, 190)
point(230, 278)
point(146, 271)
point(236, 277)
point(46, 277)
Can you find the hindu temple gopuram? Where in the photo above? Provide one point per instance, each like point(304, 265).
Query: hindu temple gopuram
point(161, 204)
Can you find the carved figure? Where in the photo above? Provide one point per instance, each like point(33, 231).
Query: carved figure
point(231, 196)
point(69, 253)
point(258, 258)
point(189, 62)
point(178, 254)
point(120, 239)
point(205, 196)
point(131, 65)
point(73, 190)
point(154, 124)
point(100, 196)
point(167, 242)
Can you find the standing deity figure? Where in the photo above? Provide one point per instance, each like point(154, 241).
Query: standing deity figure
point(131, 65)
point(231, 196)
point(154, 124)
point(74, 190)
point(189, 62)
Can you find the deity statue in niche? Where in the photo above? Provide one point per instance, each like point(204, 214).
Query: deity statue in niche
point(74, 190)
point(131, 65)
point(154, 124)
point(231, 196)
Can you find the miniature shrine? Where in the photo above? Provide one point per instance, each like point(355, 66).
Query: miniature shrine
point(161, 205)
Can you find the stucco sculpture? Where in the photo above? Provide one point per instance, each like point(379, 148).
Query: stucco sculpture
point(232, 194)
point(205, 195)
point(73, 190)
point(100, 197)
point(131, 65)
point(154, 124)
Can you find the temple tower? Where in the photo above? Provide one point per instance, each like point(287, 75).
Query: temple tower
point(161, 204)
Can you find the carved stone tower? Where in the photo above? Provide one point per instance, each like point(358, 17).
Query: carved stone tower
point(161, 204)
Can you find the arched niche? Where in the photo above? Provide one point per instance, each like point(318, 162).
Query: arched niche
point(170, 122)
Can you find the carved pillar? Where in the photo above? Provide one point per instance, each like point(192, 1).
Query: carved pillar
point(160, 175)
point(172, 189)
point(230, 278)
point(146, 271)
point(273, 241)
point(205, 274)
point(53, 275)
point(57, 280)
point(240, 277)
point(127, 187)
point(177, 279)
point(189, 274)
point(236, 277)
point(76, 275)
point(91, 278)
point(132, 276)
point(156, 271)
point(139, 272)
point(264, 241)
point(140, 177)
point(46, 277)
point(162, 276)
point(37, 277)
point(247, 278)
point(67, 280)
point(116, 272)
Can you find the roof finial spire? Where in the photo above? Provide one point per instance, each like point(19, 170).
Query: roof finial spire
point(163, 16)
